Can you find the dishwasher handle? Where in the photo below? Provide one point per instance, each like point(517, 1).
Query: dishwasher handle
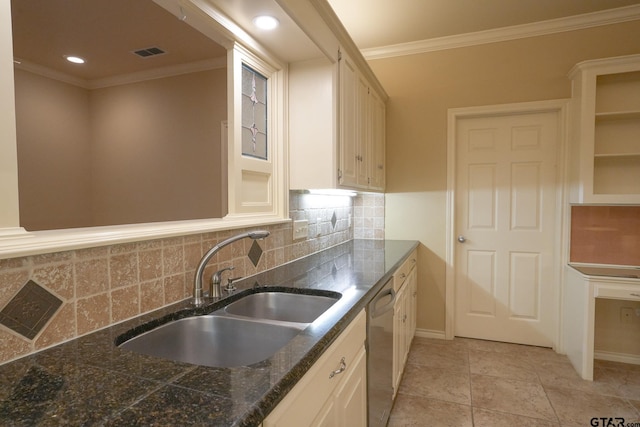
point(379, 311)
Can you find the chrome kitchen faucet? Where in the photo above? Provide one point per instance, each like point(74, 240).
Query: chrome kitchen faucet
point(198, 298)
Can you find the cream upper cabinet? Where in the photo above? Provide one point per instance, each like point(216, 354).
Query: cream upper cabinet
point(377, 129)
point(605, 147)
point(336, 127)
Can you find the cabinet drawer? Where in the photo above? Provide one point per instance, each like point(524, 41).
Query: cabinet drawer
point(629, 292)
point(402, 273)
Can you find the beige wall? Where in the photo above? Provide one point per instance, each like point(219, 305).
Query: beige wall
point(423, 87)
point(156, 147)
point(132, 153)
point(54, 163)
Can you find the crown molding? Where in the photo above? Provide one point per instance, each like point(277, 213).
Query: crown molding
point(156, 73)
point(50, 73)
point(571, 23)
point(159, 73)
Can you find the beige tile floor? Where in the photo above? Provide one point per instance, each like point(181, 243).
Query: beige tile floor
point(467, 382)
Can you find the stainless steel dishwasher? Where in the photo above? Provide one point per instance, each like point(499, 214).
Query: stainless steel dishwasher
point(380, 355)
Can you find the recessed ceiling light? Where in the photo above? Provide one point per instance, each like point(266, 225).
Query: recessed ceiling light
point(266, 22)
point(75, 59)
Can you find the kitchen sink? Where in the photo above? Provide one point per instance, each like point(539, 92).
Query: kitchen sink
point(213, 340)
point(244, 332)
point(282, 306)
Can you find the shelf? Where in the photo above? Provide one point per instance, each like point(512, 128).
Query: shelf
point(618, 115)
point(606, 141)
point(617, 155)
point(616, 175)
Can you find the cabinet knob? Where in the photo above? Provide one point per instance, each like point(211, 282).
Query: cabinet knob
point(462, 239)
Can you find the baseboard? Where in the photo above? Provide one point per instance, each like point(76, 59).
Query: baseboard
point(429, 333)
point(617, 357)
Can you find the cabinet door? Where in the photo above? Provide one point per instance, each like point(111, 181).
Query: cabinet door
point(399, 337)
point(351, 399)
point(312, 402)
point(348, 122)
point(327, 416)
point(377, 141)
point(410, 305)
point(363, 151)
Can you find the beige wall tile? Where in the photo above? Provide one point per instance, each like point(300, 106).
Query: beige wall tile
point(151, 295)
point(172, 260)
point(56, 278)
point(62, 327)
point(123, 270)
point(125, 303)
point(13, 346)
point(11, 282)
point(174, 288)
point(150, 264)
point(92, 313)
point(91, 277)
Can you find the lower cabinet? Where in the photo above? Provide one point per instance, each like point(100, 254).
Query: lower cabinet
point(404, 316)
point(334, 391)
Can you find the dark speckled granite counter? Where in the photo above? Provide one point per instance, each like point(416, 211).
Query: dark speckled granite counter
point(90, 381)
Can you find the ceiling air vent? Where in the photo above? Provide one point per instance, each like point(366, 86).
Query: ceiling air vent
point(150, 51)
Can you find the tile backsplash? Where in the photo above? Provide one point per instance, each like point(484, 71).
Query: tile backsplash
point(104, 285)
point(369, 216)
point(605, 234)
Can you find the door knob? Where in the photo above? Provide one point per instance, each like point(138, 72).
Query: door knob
point(462, 239)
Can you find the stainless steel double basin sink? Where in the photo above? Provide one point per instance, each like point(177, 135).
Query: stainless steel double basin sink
point(247, 331)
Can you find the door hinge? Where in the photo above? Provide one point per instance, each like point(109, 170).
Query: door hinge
point(339, 54)
point(339, 174)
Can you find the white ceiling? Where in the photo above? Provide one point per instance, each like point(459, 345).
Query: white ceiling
point(377, 23)
point(105, 32)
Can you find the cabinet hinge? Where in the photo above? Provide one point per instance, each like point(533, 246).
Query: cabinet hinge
point(339, 54)
point(339, 174)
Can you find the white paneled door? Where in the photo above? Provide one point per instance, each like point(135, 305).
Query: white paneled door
point(505, 201)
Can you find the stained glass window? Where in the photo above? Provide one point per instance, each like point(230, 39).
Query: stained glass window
point(254, 113)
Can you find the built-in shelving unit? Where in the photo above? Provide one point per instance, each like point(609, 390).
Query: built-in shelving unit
point(606, 137)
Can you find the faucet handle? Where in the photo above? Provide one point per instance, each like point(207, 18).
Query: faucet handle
point(217, 276)
point(216, 279)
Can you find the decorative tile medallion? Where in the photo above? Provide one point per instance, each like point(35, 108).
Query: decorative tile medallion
point(334, 219)
point(29, 310)
point(255, 253)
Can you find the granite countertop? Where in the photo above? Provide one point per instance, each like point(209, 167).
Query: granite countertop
point(90, 381)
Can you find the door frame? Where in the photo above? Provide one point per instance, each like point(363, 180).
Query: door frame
point(561, 108)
